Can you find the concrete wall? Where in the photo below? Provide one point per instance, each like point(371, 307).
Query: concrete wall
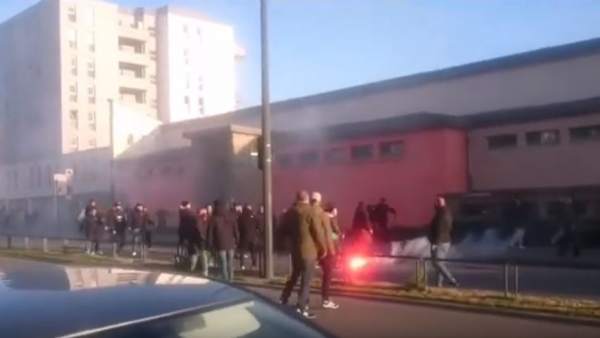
point(559, 81)
point(433, 162)
point(564, 165)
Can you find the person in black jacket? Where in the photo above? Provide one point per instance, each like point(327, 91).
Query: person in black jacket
point(140, 223)
point(117, 220)
point(190, 237)
point(223, 235)
point(248, 230)
point(440, 238)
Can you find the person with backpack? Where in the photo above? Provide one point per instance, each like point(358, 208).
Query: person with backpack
point(117, 221)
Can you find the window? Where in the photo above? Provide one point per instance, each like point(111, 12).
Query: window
point(503, 141)
point(74, 118)
point(284, 160)
point(308, 158)
point(583, 134)
point(391, 149)
point(130, 139)
point(73, 92)
point(336, 155)
point(74, 65)
point(91, 42)
point(166, 170)
point(543, 138)
point(92, 94)
point(91, 69)
point(200, 83)
point(92, 143)
point(362, 152)
point(185, 29)
point(72, 13)
point(201, 105)
point(72, 38)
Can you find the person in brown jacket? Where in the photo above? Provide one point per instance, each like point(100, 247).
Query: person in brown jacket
point(328, 261)
point(302, 225)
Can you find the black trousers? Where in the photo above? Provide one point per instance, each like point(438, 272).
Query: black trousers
point(302, 269)
point(249, 248)
point(327, 266)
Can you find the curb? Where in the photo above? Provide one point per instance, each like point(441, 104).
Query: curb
point(533, 315)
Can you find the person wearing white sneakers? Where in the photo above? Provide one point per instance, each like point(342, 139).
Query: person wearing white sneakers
point(327, 262)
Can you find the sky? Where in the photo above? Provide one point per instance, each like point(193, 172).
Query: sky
point(322, 45)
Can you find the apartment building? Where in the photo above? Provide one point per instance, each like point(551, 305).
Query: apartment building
point(196, 65)
point(79, 85)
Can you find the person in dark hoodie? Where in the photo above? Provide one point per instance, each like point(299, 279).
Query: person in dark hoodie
point(440, 238)
point(248, 230)
point(223, 235)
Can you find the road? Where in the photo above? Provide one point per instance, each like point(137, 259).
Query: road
point(369, 318)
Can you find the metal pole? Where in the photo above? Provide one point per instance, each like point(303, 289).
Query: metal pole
point(111, 113)
point(516, 280)
point(506, 290)
point(266, 134)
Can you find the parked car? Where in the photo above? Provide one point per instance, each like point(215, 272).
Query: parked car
point(47, 300)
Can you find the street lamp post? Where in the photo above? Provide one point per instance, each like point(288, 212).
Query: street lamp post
point(266, 134)
point(111, 113)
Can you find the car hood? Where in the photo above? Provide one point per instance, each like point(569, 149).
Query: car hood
point(40, 299)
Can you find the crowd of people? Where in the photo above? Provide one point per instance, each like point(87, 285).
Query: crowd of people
point(116, 221)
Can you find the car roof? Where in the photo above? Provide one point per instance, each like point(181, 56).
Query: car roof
point(47, 300)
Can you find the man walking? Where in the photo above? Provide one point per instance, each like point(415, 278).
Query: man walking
point(381, 213)
point(301, 224)
point(248, 229)
point(327, 262)
point(117, 220)
point(223, 234)
point(440, 238)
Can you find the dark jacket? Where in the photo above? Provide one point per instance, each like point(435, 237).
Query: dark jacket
point(301, 224)
point(117, 219)
point(248, 229)
point(188, 227)
point(93, 225)
point(441, 226)
point(222, 230)
point(140, 220)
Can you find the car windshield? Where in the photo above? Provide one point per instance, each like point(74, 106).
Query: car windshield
point(251, 319)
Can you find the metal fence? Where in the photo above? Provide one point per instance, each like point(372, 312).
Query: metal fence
point(510, 276)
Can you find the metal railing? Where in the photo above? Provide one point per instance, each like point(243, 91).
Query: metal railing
point(507, 271)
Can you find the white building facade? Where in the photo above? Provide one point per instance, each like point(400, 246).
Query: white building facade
point(196, 66)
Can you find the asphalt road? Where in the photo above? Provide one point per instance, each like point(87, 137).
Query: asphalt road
point(368, 318)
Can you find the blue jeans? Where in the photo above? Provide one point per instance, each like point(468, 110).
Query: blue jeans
point(438, 252)
point(226, 259)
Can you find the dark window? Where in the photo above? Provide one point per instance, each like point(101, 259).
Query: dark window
point(336, 155)
point(543, 138)
point(284, 160)
point(362, 152)
point(308, 158)
point(502, 141)
point(391, 149)
point(587, 133)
